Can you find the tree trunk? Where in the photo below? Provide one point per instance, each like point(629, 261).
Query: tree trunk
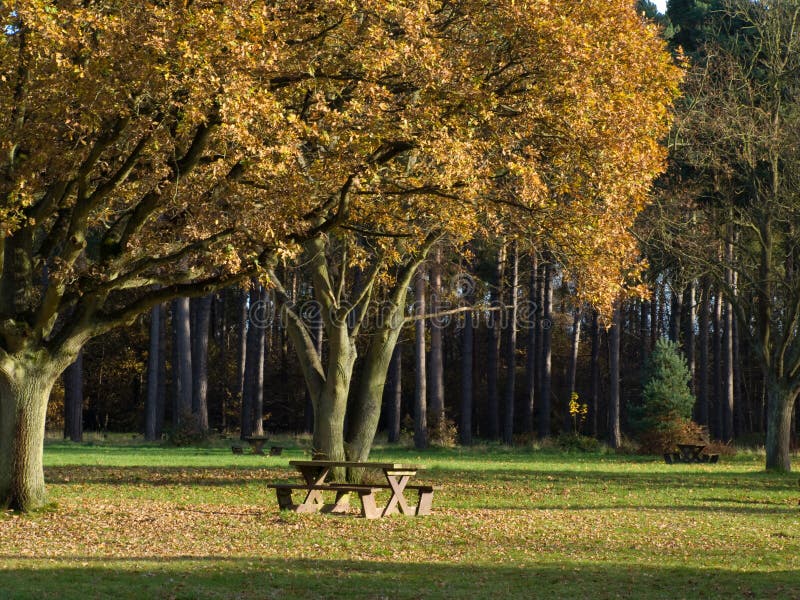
point(531, 363)
point(331, 407)
point(318, 334)
point(73, 400)
point(702, 413)
point(395, 395)
point(780, 402)
point(25, 387)
point(594, 369)
point(252, 401)
point(727, 343)
point(368, 394)
point(738, 396)
point(242, 345)
point(162, 371)
point(153, 359)
point(467, 395)
point(436, 373)
point(719, 389)
point(202, 324)
point(420, 389)
point(183, 354)
point(689, 302)
point(662, 310)
point(573, 365)
point(614, 432)
point(546, 375)
point(511, 351)
point(493, 357)
point(261, 360)
point(676, 307)
point(655, 326)
point(221, 335)
point(727, 376)
point(644, 333)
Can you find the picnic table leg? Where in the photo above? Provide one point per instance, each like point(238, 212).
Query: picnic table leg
point(425, 502)
point(342, 503)
point(369, 509)
point(313, 501)
point(397, 500)
point(284, 499)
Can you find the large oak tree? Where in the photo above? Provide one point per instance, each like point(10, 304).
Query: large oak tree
point(152, 150)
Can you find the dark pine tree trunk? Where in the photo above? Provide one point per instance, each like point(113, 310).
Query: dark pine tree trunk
point(644, 332)
point(202, 322)
point(467, 349)
point(719, 389)
point(676, 307)
point(614, 431)
point(702, 413)
point(689, 301)
point(420, 379)
point(727, 352)
point(655, 331)
point(395, 395)
point(546, 359)
point(254, 368)
point(73, 400)
point(493, 358)
point(241, 347)
point(594, 375)
point(162, 371)
point(531, 363)
point(182, 369)
point(436, 371)
point(572, 371)
point(154, 359)
point(511, 350)
point(738, 401)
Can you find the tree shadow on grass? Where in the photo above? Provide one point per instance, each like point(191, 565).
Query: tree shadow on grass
point(164, 476)
point(685, 479)
point(211, 577)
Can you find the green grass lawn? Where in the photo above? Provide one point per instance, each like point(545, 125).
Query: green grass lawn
point(131, 520)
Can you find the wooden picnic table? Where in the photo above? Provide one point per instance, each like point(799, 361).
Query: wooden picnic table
point(690, 452)
point(257, 443)
point(316, 475)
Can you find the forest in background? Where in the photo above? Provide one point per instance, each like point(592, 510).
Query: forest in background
point(115, 385)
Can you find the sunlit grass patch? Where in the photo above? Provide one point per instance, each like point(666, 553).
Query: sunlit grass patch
point(134, 521)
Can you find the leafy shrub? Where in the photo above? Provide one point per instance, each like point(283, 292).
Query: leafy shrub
point(575, 442)
point(443, 433)
point(669, 434)
point(188, 432)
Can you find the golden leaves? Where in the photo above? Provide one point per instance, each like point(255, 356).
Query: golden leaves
point(440, 116)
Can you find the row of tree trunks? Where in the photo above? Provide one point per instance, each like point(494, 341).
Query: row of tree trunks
point(727, 418)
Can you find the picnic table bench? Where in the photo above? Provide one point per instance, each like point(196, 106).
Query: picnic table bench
point(315, 475)
point(690, 453)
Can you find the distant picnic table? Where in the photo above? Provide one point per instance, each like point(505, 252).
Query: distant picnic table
point(690, 453)
point(316, 473)
point(257, 443)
